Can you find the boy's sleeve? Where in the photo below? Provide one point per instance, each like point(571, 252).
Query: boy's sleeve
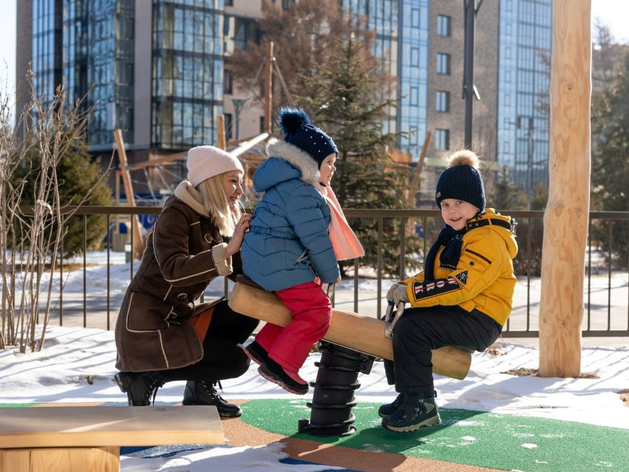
point(479, 266)
point(304, 213)
point(415, 278)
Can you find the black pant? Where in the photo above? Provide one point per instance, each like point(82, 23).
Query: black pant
point(422, 329)
point(222, 357)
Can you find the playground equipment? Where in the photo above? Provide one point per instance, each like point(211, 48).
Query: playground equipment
point(350, 346)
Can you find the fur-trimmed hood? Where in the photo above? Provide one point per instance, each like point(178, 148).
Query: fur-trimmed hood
point(305, 166)
point(188, 194)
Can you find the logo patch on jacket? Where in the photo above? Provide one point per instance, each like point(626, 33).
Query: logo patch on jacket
point(433, 288)
point(462, 276)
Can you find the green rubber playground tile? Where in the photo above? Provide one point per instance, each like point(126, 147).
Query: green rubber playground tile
point(476, 438)
point(16, 405)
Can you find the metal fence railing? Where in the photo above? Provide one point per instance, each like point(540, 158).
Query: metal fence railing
point(91, 286)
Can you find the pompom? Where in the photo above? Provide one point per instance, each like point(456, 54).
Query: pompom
point(464, 157)
point(291, 119)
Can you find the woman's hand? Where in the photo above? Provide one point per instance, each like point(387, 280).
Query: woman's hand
point(241, 228)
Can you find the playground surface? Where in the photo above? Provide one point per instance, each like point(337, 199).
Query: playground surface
point(498, 418)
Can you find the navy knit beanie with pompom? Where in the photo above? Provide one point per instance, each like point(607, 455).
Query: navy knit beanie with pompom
point(462, 180)
point(298, 131)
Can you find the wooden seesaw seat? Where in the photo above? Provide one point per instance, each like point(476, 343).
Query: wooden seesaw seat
point(361, 333)
point(88, 438)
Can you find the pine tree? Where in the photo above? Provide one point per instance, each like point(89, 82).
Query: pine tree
point(78, 176)
point(610, 161)
point(345, 104)
point(507, 194)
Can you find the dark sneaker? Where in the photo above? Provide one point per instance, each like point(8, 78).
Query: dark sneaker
point(140, 387)
point(412, 414)
point(204, 393)
point(390, 408)
point(256, 353)
point(274, 372)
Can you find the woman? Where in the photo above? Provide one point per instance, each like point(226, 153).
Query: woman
point(161, 336)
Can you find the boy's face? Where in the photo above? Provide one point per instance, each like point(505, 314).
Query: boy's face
point(456, 212)
point(327, 169)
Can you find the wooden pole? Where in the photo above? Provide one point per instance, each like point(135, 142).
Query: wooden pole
point(220, 132)
point(566, 215)
point(358, 332)
point(138, 241)
point(420, 165)
point(268, 84)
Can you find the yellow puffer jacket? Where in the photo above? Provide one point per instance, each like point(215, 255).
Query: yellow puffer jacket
point(483, 278)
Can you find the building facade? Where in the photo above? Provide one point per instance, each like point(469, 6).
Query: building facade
point(155, 70)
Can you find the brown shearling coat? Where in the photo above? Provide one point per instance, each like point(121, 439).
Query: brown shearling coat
point(184, 252)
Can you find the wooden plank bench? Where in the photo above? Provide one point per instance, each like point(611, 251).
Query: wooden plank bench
point(88, 438)
point(359, 332)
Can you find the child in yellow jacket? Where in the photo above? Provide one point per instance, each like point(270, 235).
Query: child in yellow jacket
point(462, 298)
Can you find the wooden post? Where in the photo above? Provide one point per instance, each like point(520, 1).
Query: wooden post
point(138, 242)
point(268, 83)
point(566, 215)
point(420, 165)
point(220, 132)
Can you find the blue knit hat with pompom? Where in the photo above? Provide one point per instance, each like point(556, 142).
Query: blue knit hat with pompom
point(462, 180)
point(298, 131)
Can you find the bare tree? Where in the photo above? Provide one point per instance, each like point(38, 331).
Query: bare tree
point(30, 240)
point(305, 38)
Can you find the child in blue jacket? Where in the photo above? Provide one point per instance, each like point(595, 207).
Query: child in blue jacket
point(288, 248)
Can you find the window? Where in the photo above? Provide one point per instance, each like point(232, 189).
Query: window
point(229, 125)
point(286, 4)
point(229, 3)
point(414, 96)
point(442, 139)
point(443, 63)
point(227, 82)
point(443, 101)
point(443, 25)
point(415, 18)
point(414, 56)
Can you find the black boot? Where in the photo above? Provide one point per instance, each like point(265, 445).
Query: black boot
point(390, 408)
point(204, 393)
point(412, 414)
point(256, 353)
point(140, 387)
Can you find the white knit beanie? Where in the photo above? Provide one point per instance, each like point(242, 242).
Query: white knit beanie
point(207, 161)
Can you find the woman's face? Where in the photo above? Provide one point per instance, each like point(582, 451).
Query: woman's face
point(232, 184)
point(327, 169)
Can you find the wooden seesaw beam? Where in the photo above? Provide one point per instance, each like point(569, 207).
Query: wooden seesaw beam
point(348, 329)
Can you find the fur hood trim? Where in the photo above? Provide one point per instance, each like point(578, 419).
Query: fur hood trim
point(188, 194)
point(293, 155)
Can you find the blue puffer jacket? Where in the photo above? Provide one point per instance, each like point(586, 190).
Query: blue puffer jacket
point(288, 242)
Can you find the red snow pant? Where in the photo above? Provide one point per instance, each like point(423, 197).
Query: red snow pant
point(311, 311)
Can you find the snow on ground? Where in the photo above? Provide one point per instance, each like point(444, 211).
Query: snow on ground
point(77, 365)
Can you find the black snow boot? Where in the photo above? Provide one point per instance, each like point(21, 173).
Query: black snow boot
point(390, 408)
point(256, 353)
point(140, 387)
point(202, 392)
point(412, 414)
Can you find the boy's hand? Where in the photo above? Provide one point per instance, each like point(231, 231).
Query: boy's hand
point(397, 294)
